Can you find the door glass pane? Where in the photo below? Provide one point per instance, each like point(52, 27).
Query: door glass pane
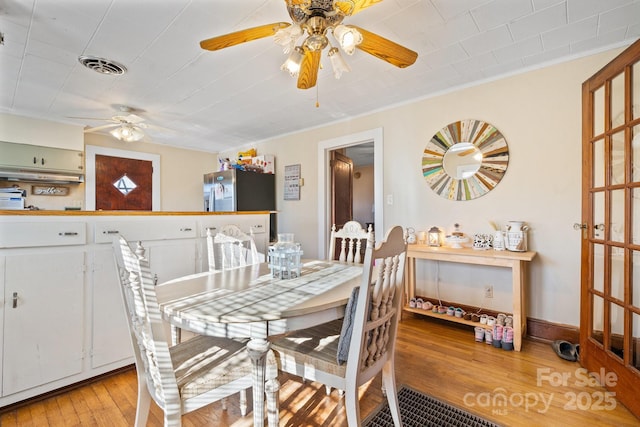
point(635, 90)
point(635, 216)
point(635, 154)
point(598, 310)
point(617, 273)
point(635, 341)
point(598, 215)
point(617, 216)
point(598, 163)
point(617, 158)
point(635, 278)
point(598, 111)
point(598, 267)
point(616, 339)
point(617, 101)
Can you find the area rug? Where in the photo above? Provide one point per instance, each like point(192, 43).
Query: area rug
point(420, 410)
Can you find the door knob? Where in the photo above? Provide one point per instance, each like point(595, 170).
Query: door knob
point(578, 226)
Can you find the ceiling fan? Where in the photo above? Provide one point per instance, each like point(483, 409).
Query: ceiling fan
point(126, 126)
point(312, 21)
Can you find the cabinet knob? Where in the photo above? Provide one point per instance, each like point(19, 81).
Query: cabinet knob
point(186, 229)
point(15, 300)
point(68, 233)
point(111, 232)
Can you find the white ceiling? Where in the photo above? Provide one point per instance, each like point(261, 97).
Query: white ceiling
point(216, 101)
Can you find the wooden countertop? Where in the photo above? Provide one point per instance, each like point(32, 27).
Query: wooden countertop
point(120, 213)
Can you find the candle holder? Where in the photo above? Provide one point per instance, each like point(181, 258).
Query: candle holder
point(434, 237)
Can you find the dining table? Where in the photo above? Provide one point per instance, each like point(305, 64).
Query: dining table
point(249, 302)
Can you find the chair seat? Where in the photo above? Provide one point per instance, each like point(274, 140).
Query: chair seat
point(317, 345)
point(205, 363)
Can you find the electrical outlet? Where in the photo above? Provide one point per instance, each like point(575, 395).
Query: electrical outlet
point(488, 291)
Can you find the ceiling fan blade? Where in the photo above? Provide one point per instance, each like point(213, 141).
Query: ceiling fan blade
point(242, 36)
point(309, 69)
point(97, 128)
point(102, 119)
point(345, 6)
point(385, 49)
point(131, 118)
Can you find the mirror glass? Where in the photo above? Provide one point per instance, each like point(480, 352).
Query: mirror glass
point(462, 160)
point(465, 160)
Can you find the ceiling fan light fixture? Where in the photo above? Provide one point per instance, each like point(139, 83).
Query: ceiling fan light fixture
point(286, 37)
point(127, 133)
point(316, 42)
point(293, 62)
point(348, 38)
point(338, 63)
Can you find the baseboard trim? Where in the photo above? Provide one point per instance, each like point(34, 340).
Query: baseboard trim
point(549, 331)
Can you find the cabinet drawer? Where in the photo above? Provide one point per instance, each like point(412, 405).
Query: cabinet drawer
point(145, 229)
point(32, 234)
point(256, 224)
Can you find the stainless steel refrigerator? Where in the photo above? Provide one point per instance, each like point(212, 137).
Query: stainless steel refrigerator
point(237, 190)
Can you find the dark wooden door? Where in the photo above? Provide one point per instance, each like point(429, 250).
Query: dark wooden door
point(123, 184)
point(341, 189)
point(610, 291)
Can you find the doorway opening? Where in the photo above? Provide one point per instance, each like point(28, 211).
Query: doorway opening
point(366, 148)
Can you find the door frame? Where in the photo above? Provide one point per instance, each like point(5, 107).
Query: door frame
point(324, 181)
point(90, 178)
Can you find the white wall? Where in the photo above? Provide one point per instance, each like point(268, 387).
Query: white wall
point(26, 130)
point(539, 113)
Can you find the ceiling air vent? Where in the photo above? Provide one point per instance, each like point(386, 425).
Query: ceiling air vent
point(102, 65)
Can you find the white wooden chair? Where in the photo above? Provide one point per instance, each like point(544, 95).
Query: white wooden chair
point(189, 375)
point(231, 247)
point(352, 236)
point(364, 339)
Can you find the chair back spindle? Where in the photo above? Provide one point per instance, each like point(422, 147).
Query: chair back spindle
point(352, 236)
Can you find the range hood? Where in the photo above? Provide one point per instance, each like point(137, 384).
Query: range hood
point(52, 177)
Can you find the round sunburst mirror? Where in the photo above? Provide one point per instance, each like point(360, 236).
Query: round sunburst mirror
point(465, 160)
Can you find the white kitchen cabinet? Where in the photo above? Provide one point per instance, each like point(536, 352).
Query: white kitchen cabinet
point(171, 242)
point(35, 157)
point(69, 322)
point(110, 342)
point(169, 260)
point(43, 317)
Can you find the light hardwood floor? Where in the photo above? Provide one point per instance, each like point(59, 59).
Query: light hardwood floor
point(438, 358)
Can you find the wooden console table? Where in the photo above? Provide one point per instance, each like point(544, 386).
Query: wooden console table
point(516, 261)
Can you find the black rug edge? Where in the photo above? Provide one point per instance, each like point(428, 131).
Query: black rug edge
point(368, 419)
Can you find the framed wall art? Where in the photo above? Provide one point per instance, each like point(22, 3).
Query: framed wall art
point(465, 160)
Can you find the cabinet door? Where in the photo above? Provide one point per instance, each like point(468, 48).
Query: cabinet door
point(169, 260)
point(38, 157)
point(43, 330)
point(110, 340)
point(60, 159)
